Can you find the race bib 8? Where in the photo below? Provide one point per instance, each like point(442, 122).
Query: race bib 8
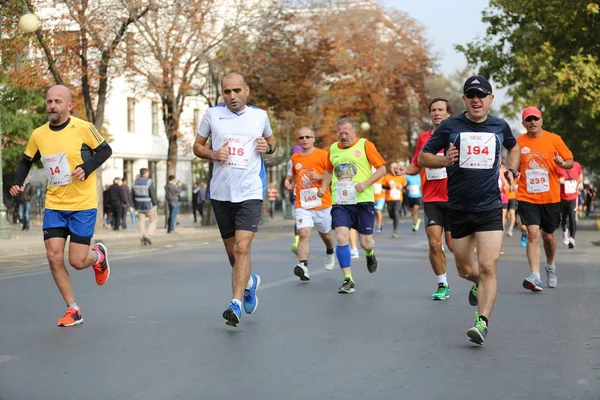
point(477, 150)
point(345, 192)
point(57, 169)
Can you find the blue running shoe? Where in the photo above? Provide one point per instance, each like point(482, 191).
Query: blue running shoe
point(233, 314)
point(523, 240)
point(250, 300)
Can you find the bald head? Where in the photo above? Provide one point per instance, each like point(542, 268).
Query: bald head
point(306, 138)
point(59, 103)
point(235, 91)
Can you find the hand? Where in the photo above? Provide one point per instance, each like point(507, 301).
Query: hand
point(360, 187)
point(452, 155)
point(321, 192)
point(558, 160)
point(511, 179)
point(79, 173)
point(222, 154)
point(261, 145)
point(15, 190)
point(289, 186)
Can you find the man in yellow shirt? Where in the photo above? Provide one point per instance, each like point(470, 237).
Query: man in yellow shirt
point(71, 150)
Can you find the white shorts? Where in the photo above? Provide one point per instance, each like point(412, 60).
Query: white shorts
point(309, 218)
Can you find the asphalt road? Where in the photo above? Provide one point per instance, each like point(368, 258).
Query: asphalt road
point(155, 330)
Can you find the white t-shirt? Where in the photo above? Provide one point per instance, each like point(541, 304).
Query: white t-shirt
point(243, 175)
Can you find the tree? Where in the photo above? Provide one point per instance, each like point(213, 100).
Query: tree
point(549, 59)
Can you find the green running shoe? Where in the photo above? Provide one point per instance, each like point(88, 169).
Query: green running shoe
point(347, 286)
point(394, 234)
point(479, 331)
point(442, 293)
point(294, 248)
point(473, 295)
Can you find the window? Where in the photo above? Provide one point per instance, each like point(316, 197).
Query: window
point(155, 118)
point(131, 115)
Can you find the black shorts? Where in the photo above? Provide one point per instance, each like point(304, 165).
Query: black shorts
point(231, 217)
point(464, 223)
point(512, 204)
point(546, 216)
point(414, 201)
point(436, 213)
point(505, 206)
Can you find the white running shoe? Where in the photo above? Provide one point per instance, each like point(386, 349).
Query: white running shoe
point(301, 272)
point(354, 253)
point(329, 261)
point(571, 242)
point(510, 232)
point(566, 237)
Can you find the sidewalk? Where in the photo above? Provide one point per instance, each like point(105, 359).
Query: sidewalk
point(31, 242)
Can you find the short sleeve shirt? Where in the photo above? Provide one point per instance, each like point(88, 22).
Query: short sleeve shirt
point(434, 190)
point(472, 189)
point(570, 175)
point(309, 170)
point(76, 143)
point(242, 176)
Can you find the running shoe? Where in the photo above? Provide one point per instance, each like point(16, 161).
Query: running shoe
point(294, 248)
point(250, 299)
point(233, 314)
point(329, 261)
point(418, 224)
point(551, 278)
point(301, 272)
point(533, 284)
point(354, 253)
point(147, 240)
point(380, 230)
point(571, 243)
point(101, 267)
point(478, 332)
point(372, 263)
point(442, 293)
point(394, 234)
point(473, 295)
point(523, 240)
point(347, 286)
point(71, 317)
point(509, 232)
point(565, 239)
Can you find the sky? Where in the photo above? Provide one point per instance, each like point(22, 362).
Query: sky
point(447, 23)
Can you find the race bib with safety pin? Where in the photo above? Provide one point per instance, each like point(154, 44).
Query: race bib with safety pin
point(345, 192)
point(571, 186)
point(57, 169)
point(309, 198)
point(537, 180)
point(436, 174)
point(239, 149)
point(477, 150)
point(377, 188)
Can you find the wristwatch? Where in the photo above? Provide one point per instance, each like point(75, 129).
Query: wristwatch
point(514, 172)
point(270, 149)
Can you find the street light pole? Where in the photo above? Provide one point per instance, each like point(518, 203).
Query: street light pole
point(28, 23)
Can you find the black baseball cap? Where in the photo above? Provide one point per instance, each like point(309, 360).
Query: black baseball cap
point(478, 83)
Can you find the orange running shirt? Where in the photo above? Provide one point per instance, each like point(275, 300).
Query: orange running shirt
point(395, 184)
point(309, 170)
point(378, 190)
point(538, 183)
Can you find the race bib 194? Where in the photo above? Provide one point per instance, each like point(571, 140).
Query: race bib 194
point(477, 150)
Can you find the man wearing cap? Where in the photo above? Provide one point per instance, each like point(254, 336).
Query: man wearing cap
point(472, 143)
point(542, 153)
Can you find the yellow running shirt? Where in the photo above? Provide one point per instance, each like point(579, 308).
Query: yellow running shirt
point(61, 152)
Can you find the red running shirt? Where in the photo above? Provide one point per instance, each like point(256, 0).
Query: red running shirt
point(433, 190)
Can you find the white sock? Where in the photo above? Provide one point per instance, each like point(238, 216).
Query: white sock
point(442, 279)
point(250, 282)
point(238, 302)
point(74, 305)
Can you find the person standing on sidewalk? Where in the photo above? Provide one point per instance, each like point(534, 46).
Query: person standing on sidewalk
point(542, 153)
point(351, 160)
point(129, 202)
point(472, 142)
point(118, 201)
point(172, 191)
point(145, 202)
point(25, 206)
point(308, 167)
point(435, 199)
point(71, 150)
point(240, 135)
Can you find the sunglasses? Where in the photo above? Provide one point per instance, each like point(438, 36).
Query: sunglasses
point(529, 119)
point(479, 95)
point(304, 137)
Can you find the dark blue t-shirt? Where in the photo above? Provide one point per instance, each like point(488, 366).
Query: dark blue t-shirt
point(471, 189)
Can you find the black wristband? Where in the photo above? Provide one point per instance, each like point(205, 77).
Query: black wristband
point(271, 151)
point(514, 172)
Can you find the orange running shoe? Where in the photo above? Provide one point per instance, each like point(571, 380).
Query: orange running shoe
point(101, 267)
point(71, 317)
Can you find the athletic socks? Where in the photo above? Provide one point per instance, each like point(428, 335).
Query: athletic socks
point(442, 279)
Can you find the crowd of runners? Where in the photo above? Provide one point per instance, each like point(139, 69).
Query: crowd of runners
point(473, 178)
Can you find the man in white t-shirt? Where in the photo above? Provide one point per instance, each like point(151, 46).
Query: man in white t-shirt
point(240, 134)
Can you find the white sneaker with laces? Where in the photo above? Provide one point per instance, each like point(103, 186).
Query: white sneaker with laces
point(329, 261)
point(566, 237)
point(354, 253)
point(571, 242)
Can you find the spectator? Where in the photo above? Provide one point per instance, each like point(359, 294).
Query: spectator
point(172, 191)
point(25, 205)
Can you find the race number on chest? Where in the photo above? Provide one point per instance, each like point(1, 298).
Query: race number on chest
point(477, 150)
point(239, 149)
point(537, 180)
point(571, 186)
point(309, 198)
point(57, 169)
point(345, 193)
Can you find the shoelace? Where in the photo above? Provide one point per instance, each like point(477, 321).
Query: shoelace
point(71, 312)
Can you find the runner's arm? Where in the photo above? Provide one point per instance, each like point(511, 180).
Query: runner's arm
point(101, 154)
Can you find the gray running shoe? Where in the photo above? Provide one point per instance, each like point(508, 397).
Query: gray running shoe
point(347, 286)
point(329, 261)
point(533, 284)
point(551, 278)
point(473, 295)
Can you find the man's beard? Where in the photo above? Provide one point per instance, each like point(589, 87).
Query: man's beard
point(53, 118)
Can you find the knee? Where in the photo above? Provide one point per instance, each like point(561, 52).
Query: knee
point(435, 245)
point(547, 237)
point(487, 268)
point(55, 257)
point(533, 236)
point(241, 248)
point(78, 262)
point(304, 234)
point(464, 270)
